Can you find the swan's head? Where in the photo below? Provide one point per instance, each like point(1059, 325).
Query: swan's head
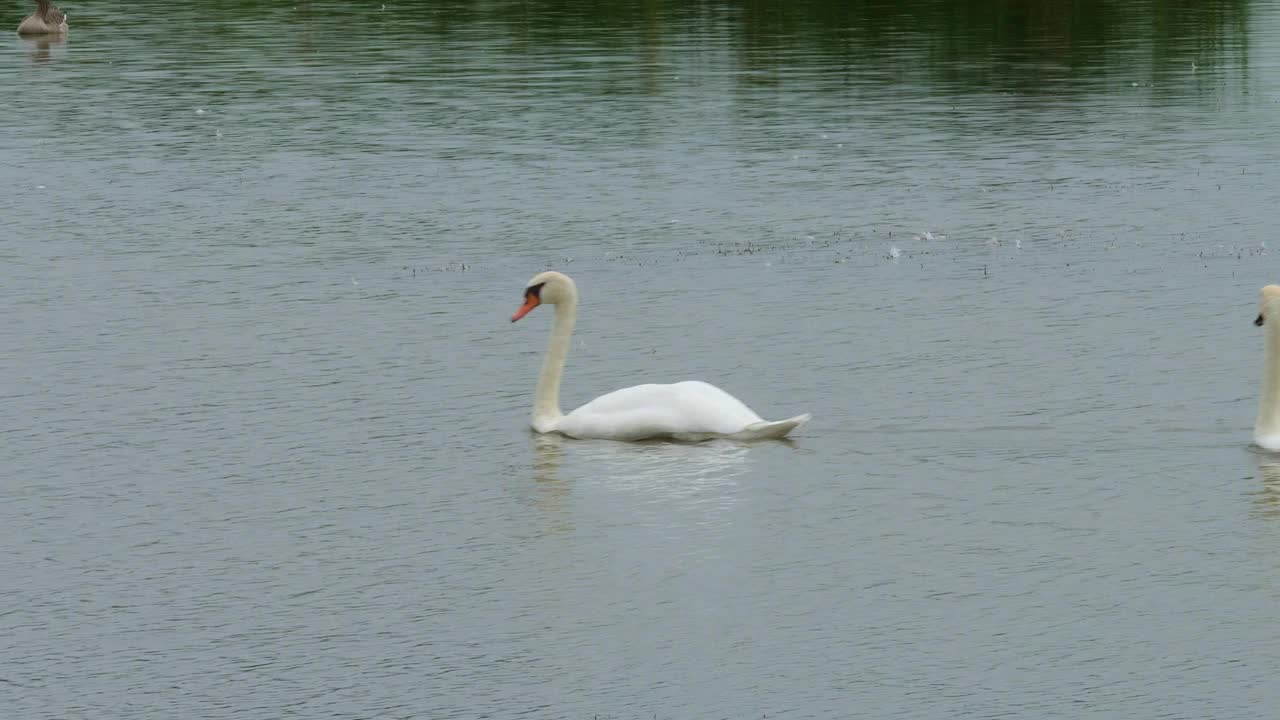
point(549, 288)
point(1267, 308)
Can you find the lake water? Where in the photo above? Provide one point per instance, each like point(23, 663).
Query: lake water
point(265, 448)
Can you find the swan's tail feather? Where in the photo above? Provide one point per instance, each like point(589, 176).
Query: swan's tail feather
point(766, 430)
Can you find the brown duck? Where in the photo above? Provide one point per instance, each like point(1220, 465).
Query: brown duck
point(46, 20)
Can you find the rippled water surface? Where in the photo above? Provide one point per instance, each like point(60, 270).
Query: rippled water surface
point(265, 451)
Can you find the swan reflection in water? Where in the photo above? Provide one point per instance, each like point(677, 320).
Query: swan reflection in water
point(663, 481)
point(551, 491)
point(1266, 501)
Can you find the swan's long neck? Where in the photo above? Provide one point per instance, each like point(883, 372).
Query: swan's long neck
point(1269, 406)
point(546, 399)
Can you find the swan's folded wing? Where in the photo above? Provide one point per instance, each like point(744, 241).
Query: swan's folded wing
point(646, 411)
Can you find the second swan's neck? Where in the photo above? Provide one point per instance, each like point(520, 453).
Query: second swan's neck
point(546, 399)
point(1267, 430)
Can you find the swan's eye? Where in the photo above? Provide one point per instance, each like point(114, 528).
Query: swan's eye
point(1259, 321)
point(534, 290)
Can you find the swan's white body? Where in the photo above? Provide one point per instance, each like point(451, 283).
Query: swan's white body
point(1266, 431)
point(691, 410)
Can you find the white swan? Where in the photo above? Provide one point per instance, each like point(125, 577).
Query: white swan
point(690, 410)
point(1266, 431)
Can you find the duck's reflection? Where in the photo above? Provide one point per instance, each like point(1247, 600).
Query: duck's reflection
point(40, 49)
point(1266, 501)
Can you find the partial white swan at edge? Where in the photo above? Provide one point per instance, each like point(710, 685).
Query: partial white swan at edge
point(1266, 431)
point(691, 410)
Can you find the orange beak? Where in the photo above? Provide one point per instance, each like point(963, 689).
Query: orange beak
point(531, 301)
